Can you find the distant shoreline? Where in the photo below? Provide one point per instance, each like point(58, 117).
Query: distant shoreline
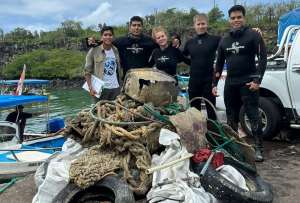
point(65, 83)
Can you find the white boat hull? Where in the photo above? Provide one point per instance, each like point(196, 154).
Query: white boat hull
point(28, 161)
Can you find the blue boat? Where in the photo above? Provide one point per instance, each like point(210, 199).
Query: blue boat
point(33, 82)
point(19, 159)
point(30, 86)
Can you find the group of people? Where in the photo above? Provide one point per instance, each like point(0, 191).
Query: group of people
point(239, 48)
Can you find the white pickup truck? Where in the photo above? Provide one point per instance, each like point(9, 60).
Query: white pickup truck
point(280, 88)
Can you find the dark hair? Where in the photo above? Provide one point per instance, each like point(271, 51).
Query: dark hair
point(18, 107)
point(136, 18)
point(237, 8)
point(107, 28)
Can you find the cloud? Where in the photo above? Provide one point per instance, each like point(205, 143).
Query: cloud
point(100, 15)
point(48, 14)
point(33, 7)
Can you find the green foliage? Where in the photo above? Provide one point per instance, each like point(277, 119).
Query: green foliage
point(120, 30)
point(215, 15)
point(47, 64)
point(18, 35)
point(172, 19)
point(267, 15)
point(217, 24)
point(63, 63)
point(71, 28)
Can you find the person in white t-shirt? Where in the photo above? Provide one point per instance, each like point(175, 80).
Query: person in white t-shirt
point(103, 61)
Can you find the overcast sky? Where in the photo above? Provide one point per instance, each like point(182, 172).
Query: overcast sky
point(48, 14)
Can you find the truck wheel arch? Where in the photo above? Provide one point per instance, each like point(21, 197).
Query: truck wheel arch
point(271, 118)
point(263, 92)
point(272, 109)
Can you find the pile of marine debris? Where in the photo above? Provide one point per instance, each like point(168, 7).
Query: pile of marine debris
point(146, 139)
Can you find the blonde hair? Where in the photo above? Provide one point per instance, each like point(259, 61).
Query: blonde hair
point(158, 29)
point(200, 16)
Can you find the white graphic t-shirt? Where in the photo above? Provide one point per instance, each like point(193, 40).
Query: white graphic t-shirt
point(110, 70)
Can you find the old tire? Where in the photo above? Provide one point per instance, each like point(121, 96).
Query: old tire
point(226, 191)
point(110, 188)
point(271, 118)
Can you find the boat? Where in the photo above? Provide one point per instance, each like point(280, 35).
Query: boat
point(19, 159)
point(30, 87)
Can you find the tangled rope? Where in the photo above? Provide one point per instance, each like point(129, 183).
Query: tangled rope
point(122, 135)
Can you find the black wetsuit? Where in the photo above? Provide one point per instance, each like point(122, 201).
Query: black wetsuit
point(134, 52)
point(167, 59)
point(20, 119)
point(239, 48)
point(202, 50)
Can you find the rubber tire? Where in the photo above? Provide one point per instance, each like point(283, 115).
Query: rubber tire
point(227, 192)
point(273, 115)
point(110, 188)
point(230, 160)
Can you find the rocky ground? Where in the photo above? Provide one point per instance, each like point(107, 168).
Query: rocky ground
point(281, 169)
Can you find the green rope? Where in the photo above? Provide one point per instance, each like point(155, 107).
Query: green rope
point(148, 108)
point(231, 148)
point(224, 144)
point(173, 108)
point(219, 127)
point(7, 185)
point(213, 139)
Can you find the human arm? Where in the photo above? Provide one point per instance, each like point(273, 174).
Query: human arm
point(88, 70)
point(151, 60)
point(25, 115)
point(218, 69)
point(219, 65)
point(88, 80)
point(261, 53)
point(182, 58)
point(186, 54)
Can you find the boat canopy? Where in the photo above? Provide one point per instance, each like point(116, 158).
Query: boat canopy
point(11, 100)
point(33, 82)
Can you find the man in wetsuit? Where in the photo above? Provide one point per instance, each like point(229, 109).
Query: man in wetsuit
point(202, 51)
point(239, 48)
point(135, 48)
point(19, 117)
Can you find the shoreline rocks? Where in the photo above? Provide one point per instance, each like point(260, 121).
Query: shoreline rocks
point(64, 83)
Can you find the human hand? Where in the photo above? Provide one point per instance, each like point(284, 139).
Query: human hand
point(91, 40)
point(175, 43)
point(256, 29)
point(253, 86)
point(93, 92)
point(214, 91)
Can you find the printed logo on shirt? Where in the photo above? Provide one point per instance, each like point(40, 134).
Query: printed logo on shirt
point(135, 49)
point(235, 48)
point(199, 41)
point(110, 66)
point(163, 59)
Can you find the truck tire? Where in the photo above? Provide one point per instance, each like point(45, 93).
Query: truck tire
point(271, 118)
point(110, 189)
point(227, 192)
